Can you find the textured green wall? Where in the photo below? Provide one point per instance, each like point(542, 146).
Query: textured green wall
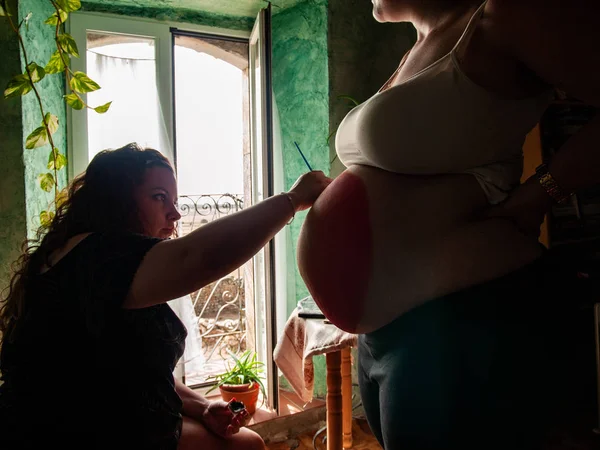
point(39, 41)
point(12, 187)
point(301, 91)
point(229, 8)
point(301, 88)
point(169, 13)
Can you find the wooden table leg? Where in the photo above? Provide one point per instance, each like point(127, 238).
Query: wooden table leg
point(347, 397)
point(334, 401)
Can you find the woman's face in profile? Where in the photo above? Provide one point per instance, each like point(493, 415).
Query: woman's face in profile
point(156, 200)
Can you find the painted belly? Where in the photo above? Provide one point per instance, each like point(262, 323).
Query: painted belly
point(335, 251)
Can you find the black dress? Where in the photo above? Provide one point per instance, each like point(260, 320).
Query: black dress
point(82, 371)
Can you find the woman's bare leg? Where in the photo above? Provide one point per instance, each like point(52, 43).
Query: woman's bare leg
point(194, 436)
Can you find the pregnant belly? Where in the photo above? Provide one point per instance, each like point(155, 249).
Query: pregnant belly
point(376, 244)
point(335, 250)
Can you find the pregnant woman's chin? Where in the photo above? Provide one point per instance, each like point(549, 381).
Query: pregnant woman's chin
point(335, 251)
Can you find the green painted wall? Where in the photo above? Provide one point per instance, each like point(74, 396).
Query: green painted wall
point(301, 88)
point(169, 13)
point(301, 91)
point(21, 199)
point(229, 8)
point(12, 187)
point(39, 41)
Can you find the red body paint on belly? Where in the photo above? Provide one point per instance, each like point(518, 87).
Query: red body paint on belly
point(335, 251)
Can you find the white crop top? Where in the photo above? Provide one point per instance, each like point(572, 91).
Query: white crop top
point(439, 121)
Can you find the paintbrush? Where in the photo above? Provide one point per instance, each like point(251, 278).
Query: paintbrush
point(303, 157)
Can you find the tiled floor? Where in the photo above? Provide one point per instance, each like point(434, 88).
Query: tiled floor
point(578, 438)
point(363, 440)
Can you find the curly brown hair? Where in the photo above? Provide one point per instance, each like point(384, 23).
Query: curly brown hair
point(100, 199)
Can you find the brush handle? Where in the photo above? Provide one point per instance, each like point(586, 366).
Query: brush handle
point(303, 157)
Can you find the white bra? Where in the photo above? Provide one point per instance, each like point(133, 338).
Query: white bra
point(439, 121)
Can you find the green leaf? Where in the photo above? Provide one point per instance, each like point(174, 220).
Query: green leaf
point(52, 122)
point(36, 72)
point(74, 101)
point(3, 12)
point(103, 108)
point(68, 44)
point(62, 196)
point(46, 181)
point(81, 83)
point(18, 85)
point(56, 159)
point(68, 5)
point(46, 218)
point(37, 138)
point(55, 64)
point(61, 161)
point(53, 19)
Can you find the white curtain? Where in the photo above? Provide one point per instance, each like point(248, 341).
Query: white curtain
point(135, 114)
point(192, 361)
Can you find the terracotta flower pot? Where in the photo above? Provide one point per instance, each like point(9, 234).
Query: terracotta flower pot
point(246, 393)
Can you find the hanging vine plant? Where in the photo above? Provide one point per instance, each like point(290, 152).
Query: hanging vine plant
point(77, 83)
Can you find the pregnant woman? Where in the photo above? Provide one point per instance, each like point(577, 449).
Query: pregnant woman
point(427, 244)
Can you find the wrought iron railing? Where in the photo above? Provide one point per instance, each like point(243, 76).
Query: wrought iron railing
point(219, 308)
point(197, 210)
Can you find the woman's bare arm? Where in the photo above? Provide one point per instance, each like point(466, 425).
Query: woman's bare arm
point(558, 41)
point(177, 267)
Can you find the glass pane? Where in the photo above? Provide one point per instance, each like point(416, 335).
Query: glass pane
point(125, 68)
point(209, 126)
point(210, 108)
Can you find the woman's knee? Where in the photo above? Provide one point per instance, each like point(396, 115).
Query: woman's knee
point(194, 435)
point(248, 440)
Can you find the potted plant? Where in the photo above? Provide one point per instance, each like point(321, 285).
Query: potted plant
point(242, 380)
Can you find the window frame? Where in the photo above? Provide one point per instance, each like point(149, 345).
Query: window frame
point(160, 31)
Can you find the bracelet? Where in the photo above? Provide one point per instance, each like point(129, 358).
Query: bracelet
point(550, 185)
point(292, 205)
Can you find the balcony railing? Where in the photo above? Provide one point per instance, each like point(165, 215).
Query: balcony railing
point(198, 210)
point(219, 308)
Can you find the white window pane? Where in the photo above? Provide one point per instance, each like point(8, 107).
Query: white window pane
point(125, 68)
point(209, 127)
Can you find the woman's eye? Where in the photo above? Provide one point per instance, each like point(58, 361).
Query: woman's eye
point(160, 197)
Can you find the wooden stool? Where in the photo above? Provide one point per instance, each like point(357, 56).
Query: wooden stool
point(339, 400)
